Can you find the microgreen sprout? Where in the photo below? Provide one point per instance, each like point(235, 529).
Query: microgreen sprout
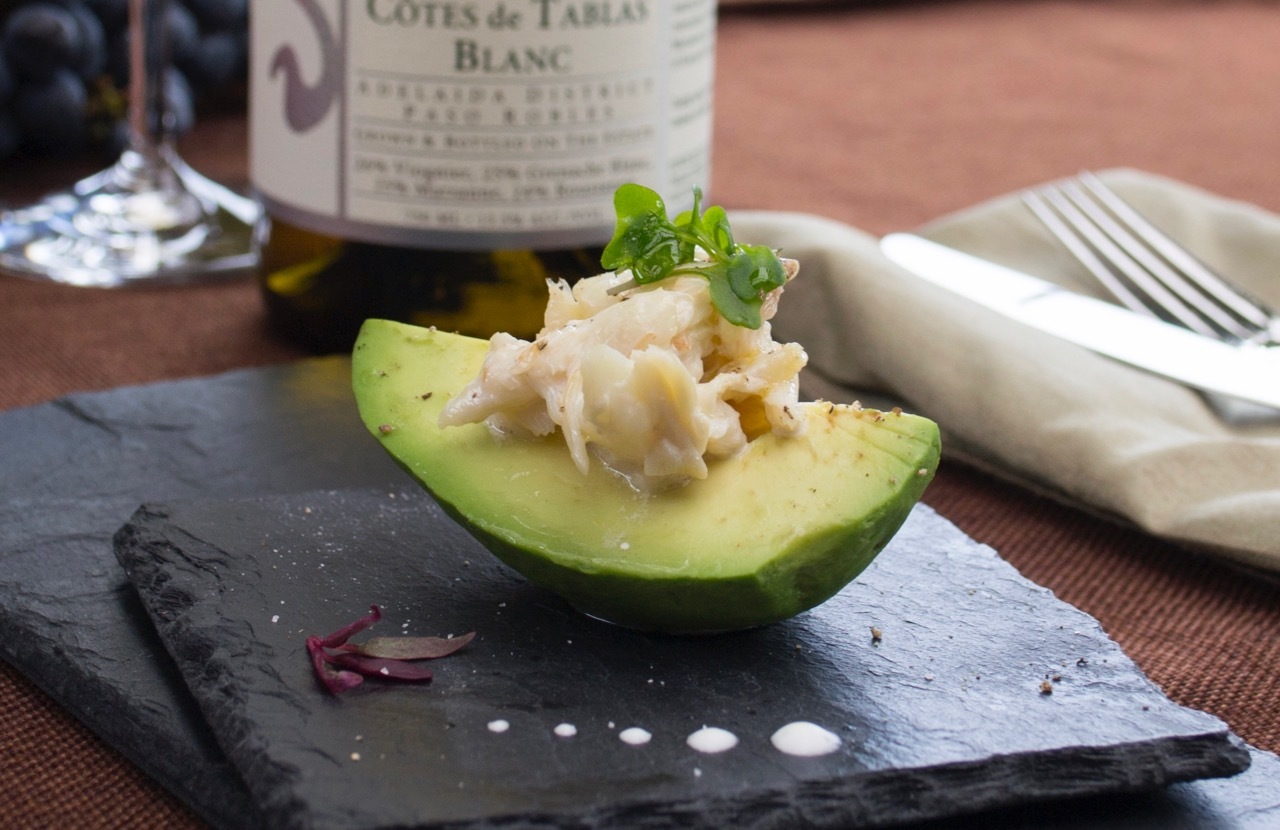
point(654, 247)
point(340, 665)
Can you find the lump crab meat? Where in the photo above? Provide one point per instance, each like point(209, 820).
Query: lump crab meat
point(649, 380)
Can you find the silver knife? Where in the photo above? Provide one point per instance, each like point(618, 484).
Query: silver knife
point(1249, 373)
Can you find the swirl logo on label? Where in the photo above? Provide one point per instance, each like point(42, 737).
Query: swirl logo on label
point(305, 105)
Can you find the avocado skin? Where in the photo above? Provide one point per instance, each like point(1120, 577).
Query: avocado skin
point(769, 534)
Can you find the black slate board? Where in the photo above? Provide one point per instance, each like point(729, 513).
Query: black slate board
point(73, 470)
point(944, 715)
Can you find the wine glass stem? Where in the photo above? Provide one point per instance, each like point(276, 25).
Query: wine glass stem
point(150, 122)
point(148, 216)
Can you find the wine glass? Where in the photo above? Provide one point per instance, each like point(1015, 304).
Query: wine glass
point(149, 218)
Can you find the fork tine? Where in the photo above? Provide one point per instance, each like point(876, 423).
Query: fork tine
point(1086, 237)
point(1175, 254)
point(1171, 290)
point(1145, 270)
point(1082, 252)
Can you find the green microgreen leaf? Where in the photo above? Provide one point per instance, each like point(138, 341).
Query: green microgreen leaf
point(643, 239)
point(654, 247)
point(716, 223)
point(767, 271)
point(740, 311)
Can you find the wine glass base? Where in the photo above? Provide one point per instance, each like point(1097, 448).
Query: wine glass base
point(130, 225)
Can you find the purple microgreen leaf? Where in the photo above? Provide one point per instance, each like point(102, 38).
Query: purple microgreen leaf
point(335, 681)
point(343, 634)
point(410, 648)
point(380, 666)
point(341, 666)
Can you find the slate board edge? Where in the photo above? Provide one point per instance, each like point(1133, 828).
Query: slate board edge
point(217, 795)
point(27, 656)
point(858, 801)
point(234, 738)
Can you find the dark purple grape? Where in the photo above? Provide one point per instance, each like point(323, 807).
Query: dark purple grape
point(41, 38)
point(181, 37)
point(52, 116)
point(183, 32)
point(91, 60)
point(114, 14)
point(217, 60)
point(53, 51)
point(220, 15)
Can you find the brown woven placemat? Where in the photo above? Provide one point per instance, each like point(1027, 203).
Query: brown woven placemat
point(883, 116)
point(56, 773)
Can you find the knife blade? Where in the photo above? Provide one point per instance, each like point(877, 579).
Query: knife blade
point(1249, 373)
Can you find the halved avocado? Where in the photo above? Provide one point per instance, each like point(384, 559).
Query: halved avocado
point(769, 533)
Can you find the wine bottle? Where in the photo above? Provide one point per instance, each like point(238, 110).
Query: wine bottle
point(437, 161)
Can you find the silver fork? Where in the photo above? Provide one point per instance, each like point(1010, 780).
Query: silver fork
point(1151, 274)
point(1143, 268)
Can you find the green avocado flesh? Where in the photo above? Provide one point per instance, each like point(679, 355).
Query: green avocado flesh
point(769, 533)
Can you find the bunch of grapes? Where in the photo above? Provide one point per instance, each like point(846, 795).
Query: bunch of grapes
point(64, 69)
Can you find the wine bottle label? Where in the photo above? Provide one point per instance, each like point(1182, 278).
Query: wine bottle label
point(476, 124)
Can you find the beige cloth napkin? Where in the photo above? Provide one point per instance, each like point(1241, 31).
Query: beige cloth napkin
point(1026, 405)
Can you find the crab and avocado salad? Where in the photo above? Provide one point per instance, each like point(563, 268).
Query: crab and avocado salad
point(646, 456)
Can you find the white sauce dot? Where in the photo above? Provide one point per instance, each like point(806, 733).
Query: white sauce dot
point(805, 739)
point(498, 726)
point(712, 739)
point(566, 730)
point(635, 736)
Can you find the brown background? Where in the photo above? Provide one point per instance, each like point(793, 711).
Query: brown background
point(882, 116)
